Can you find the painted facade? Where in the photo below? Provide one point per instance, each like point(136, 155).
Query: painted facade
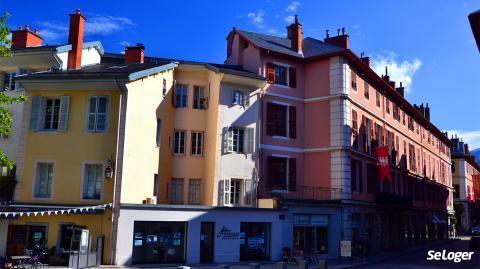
point(342, 111)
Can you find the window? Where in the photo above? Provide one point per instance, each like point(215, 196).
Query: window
point(197, 144)
point(240, 98)
point(357, 176)
point(49, 113)
point(403, 118)
point(181, 94)
point(377, 98)
point(97, 114)
point(235, 190)
point(281, 120)
point(387, 105)
point(281, 173)
point(354, 129)
point(396, 112)
point(9, 81)
point(43, 180)
point(236, 135)
point(92, 181)
point(354, 80)
point(176, 191)
point(281, 75)
point(367, 90)
point(52, 113)
point(179, 142)
point(194, 191)
point(164, 88)
point(158, 135)
point(199, 99)
point(155, 184)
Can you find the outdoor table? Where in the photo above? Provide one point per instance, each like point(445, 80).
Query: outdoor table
point(19, 260)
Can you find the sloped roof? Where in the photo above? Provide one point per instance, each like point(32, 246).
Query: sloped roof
point(311, 47)
point(474, 19)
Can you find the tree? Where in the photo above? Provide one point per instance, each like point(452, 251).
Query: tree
point(6, 119)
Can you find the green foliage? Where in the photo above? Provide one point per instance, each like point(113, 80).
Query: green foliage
point(5, 43)
point(6, 119)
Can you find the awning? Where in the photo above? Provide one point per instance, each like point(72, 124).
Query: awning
point(436, 220)
point(14, 211)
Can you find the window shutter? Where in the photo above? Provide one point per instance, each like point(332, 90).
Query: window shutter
point(270, 119)
point(270, 73)
point(248, 192)
point(226, 192)
point(221, 192)
point(292, 77)
point(230, 140)
point(292, 174)
point(207, 97)
point(292, 121)
point(38, 105)
point(63, 115)
point(174, 92)
point(249, 141)
point(246, 99)
point(270, 172)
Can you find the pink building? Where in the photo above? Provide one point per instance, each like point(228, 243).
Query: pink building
point(324, 112)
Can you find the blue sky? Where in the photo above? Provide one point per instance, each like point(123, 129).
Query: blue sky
point(426, 44)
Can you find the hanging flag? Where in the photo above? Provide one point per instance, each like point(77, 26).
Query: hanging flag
point(382, 163)
point(471, 194)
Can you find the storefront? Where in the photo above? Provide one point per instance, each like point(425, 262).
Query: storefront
point(310, 233)
point(196, 234)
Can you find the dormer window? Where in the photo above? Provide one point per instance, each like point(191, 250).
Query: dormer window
point(283, 75)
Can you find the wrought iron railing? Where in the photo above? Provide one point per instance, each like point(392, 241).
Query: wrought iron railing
point(302, 193)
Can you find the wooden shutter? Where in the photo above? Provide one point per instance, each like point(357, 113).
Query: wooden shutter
point(270, 172)
point(292, 77)
point(270, 73)
point(229, 136)
point(292, 122)
point(249, 140)
point(36, 115)
point(292, 174)
point(246, 99)
point(63, 115)
point(271, 119)
point(226, 192)
point(174, 91)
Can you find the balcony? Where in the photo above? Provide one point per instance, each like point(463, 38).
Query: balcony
point(393, 200)
point(302, 193)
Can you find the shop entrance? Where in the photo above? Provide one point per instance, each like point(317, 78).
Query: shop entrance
point(310, 234)
point(206, 242)
point(254, 241)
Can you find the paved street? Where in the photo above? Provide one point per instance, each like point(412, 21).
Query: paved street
point(418, 260)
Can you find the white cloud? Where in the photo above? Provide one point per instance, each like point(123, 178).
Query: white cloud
point(95, 24)
point(257, 18)
point(399, 71)
point(472, 138)
point(271, 31)
point(105, 24)
point(292, 7)
point(290, 19)
point(124, 43)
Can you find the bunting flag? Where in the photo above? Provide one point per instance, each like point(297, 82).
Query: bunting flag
point(382, 163)
point(56, 212)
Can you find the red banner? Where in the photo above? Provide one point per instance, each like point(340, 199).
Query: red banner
point(382, 163)
point(471, 194)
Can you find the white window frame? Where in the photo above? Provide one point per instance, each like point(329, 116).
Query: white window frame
point(196, 144)
point(231, 141)
point(201, 104)
point(184, 87)
point(35, 179)
point(96, 113)
point(102, 170)
point(176, 148)
point(59, 99)
point(11, 81)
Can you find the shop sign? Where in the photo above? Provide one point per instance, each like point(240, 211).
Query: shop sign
point(310, 220)
point(226, 233)
point(345, 248)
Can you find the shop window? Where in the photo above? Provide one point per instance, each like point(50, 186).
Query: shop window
point(159, 242)
point(255, 241)
point(310, 233)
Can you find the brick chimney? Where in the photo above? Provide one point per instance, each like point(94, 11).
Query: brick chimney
point(294, 33)
point(23, 38)
point(135, 54)
point(341, 40)
point(75, 38)
point(401, 90)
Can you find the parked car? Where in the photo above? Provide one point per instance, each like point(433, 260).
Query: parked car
point(475, 230)
point(474, 243)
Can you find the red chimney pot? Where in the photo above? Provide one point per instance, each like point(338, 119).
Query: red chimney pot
point(75, 38)
point(23, 38)
point(135, 54)
point(294, 33)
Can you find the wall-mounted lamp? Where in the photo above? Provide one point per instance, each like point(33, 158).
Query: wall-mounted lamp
point(110, 169)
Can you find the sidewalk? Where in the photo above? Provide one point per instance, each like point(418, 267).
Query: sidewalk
point(331, 264)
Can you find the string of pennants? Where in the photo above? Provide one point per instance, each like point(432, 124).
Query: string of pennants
point(63, 211)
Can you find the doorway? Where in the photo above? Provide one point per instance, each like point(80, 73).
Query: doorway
point(207, 242)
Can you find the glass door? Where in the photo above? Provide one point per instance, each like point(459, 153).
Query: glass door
point(207, 242)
